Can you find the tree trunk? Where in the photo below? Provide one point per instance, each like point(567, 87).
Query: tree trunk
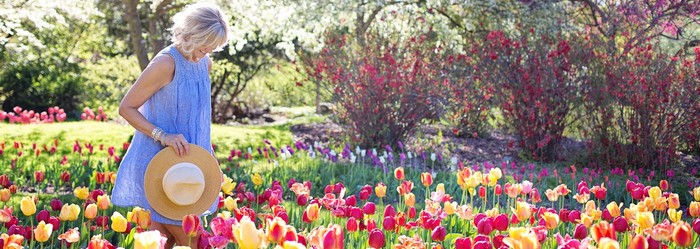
point(135, 31)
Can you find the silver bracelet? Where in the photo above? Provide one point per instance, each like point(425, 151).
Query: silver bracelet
point(156, 133)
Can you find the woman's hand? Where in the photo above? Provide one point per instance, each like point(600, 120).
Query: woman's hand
point(178, 142)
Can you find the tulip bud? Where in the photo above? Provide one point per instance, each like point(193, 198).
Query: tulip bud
point(580, 232)
point(376, 238)
point(439, 233)
point(663, 184)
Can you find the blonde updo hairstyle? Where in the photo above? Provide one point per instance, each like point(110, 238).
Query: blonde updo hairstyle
point(198, 25)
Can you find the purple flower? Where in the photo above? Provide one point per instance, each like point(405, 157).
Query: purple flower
point(388, 148)
point(400, 145)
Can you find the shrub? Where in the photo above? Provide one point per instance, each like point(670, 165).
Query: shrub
point(385, 89)
point(536, 82)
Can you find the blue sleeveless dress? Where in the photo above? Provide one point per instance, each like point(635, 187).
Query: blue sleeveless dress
point(183, 106)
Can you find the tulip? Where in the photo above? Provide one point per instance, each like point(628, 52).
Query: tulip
point(70, 236)
point(601, 230)
point(663, 184)
point(228, 185)
point(91, 211)
point(97, 242)
point(638, 242)
point(352, 225)
point(190, 224)
point(42, 232)
point(56, 204)
point(580, 232)
point(141, 217)
point(644, 220)
point(682, 235)
point(276, 228)
point(43, 215)
point(389, 223)
point(426, 178)
point(65, 176)
point(230, 204)
point(380, 190)
point(674, 215)
point(311, 213)
point(522, 211)
point(39, 176)
point(5, 195)
point(694, 209)
point(607, 243)
point(410, 199)
point(103, 202)
point(620, 224)
point(333, 238)
point(119, 223)
point(376, 238)
point(399, 173)
point(551, 220)
point(369, 208)
point(500, 223)
point(256, 179)
point(673, 201)
point(149, 240)
point(463, 242)
point(438, 233)
point(81, 193)
point(484, 226)
point(247, 236)
point(696, 225)
point(482, 192)
point(27, 206)
point(69, 212)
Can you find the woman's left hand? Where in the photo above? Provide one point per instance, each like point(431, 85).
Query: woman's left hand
point(178, 142)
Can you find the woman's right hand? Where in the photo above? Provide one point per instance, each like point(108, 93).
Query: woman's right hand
point(178, 142)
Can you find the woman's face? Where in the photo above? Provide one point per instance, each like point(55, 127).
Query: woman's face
point(199, 52)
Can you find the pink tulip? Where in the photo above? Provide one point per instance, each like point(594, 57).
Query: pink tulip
point(580, 232)
point(376, 238)
point(463, 242)
point(500, 223)
point(439, 233)
point(369, 208)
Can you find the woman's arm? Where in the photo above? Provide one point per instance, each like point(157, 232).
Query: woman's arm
point(156, 75)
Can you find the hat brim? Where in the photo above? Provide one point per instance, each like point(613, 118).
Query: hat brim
point(166, 158)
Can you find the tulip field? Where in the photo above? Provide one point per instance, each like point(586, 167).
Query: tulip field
point(277, 194)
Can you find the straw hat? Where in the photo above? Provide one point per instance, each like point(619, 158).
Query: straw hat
point(178, 186)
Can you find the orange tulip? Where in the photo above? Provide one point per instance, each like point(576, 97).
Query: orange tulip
point(426, 178)
point(190, 225)
point(682, 235)
point(694, 209)
point(601, 230)
point(614, 209)
point(551, 220)
point(42, 232)
point(638, 242)
point(311, 213)
point(12, 241)
point(410, 199)
point(141, 217)
point(673, 201)
point(5, 195)
point(399, 173)
point(91, 211)
point(103, 202)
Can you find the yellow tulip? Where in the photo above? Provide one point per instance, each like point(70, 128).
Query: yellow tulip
point(608, 243)
point(586, 220)
point(230, 204)
point(644, 220)
point(492, 212)
point(696, 193)
point(522, 210)
point(291, 245)
point(410, 199)
point(380, 190)
point(675, 215)
point(614, 209)
point(257, 179)
point(91, 211)
point(654, 192)
point(521, 238)
point(27, 206)
point(551, 220)
point(81, 193)
point(118, 222)
point(450, 207)
point(228, 185)
point(496, 173)
point(149, 239)
point(440, 188)
point(69, 212)
point(247, 235)
point(42, 232)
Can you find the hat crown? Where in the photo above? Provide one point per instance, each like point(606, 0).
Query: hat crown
point(183, 183)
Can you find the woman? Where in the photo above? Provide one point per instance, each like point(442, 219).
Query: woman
point(170, 105)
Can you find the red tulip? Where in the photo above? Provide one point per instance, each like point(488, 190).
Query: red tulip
point(485, 226)
point(389, 211)
point(351, 201)
point(65, 176)
point(696, 225)
point(439, 233)
point(302, 200)
point(376, 238)
point(653, 244)
point(369, 208)
point(498, 190)
point(500, 223)
point(43, 215)
point(682, 235)
point(580, 232)
point(399, 173)
point(389, 223)
point(620, 224)
point(190, 224)
point(663, 184)
point(56, 204)
point(39, 176)
point(482, 192)
point(426, 178)
point(411, 212)
point(351, 225)
point(463, 242)
point(334, 238)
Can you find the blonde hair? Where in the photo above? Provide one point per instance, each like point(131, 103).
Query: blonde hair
point(199, 24)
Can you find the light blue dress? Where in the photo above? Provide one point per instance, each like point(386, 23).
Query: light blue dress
point(183, 106)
